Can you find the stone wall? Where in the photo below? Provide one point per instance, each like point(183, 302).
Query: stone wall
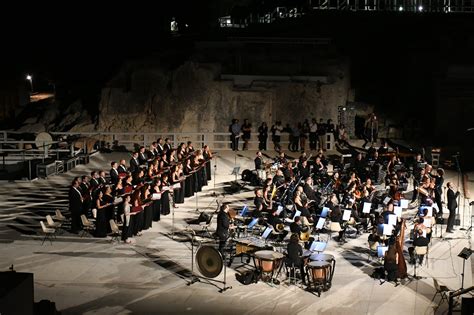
point(192, 98)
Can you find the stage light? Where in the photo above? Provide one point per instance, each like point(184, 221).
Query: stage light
point(343, 108)
point(420, 8)
point(400, 8)
point(30, 78)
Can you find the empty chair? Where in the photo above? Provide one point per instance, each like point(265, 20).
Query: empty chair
point(59, 216)
point(87, 226)
point(52, 224)
point(334, 227)
point(115, 234)
point(442, 290)
point(47, 232)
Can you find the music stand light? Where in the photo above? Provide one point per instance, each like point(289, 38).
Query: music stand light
point(464, 254)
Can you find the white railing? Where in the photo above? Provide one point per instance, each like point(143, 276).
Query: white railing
point(130, 140)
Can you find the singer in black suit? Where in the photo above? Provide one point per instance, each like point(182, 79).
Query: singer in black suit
point(452, 205)
point(114, 174)
point(134, 164)
point(75, 206)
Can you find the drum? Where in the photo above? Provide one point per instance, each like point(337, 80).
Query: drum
point(318, 274)
point(268, 260)
point(325, 258)
point(209, 261)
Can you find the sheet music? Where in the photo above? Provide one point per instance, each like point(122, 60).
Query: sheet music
point(156, 196)
point(320, 223)
point(176, 186)
point(427, 222)
point(317, 246)
point(397, 211)
point(165, 188)
point(347, 215)
point(392, 220)
point(404, 203)
point(387, 229)
point(297, 214)
point(381, 251)
point(387, 200)
point(324, 212)
point(366, 208)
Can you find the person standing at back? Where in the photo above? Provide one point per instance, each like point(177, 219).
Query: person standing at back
point(452, 205)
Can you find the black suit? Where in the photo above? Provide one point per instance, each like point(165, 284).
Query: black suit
point(75, 207)
point(122, 169)
point(142, 158)
point(258, 163)
point(114, 177)
point(452, 205)
point(167, 147)
point(134, 165)
point(222, 231)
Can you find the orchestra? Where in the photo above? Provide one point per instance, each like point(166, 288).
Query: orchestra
point(290, 200)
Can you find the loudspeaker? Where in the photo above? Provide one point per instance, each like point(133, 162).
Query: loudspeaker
point(16, 293)
point(467, 305)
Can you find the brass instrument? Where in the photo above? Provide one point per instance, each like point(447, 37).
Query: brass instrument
point(304, 236)
point(280, 227)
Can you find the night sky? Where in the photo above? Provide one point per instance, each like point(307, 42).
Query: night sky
point(395, 57)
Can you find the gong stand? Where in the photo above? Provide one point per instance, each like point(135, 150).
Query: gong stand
point(197, 278)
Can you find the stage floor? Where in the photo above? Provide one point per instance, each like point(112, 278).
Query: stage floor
point(94, 276)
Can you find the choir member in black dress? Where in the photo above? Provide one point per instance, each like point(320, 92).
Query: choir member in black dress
point(190, 183)
point(156, 205)
point(147, 207)
point(207, 154)
point(101, 217)
point(165, 195)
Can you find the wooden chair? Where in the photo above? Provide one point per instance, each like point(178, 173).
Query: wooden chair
point(48, 233)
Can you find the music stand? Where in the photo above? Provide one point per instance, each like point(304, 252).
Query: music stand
point(464, 254)
point(235, 172)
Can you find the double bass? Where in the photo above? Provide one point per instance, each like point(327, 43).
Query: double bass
point(400, 240)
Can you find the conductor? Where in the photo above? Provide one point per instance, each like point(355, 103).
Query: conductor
point(452, 205)
point(223, 223)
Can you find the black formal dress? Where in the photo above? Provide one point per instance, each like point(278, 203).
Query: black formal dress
point(101, 220)
point(165, 201)
point(207, 158)
point(452, 205)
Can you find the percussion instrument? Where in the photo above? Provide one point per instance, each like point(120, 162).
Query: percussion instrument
point(209, 261)
point(326, 258)
point(319, 275)
point(267, 261)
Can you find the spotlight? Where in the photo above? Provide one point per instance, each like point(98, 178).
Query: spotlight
point(420, 8)
point(400, 8)
point(343, 108)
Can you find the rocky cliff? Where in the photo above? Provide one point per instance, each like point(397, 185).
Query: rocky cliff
point(193, 98)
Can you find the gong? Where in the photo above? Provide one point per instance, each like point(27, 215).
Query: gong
point(209, 261)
